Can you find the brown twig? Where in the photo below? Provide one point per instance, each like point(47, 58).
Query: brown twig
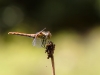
point(53, 64)
point(50, 47)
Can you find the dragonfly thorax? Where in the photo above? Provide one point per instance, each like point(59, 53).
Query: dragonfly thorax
point(44, 35)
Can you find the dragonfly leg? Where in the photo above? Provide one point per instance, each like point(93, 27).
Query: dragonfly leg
point(43, 43)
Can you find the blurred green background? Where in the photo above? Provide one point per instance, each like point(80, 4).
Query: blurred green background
point(75, 28)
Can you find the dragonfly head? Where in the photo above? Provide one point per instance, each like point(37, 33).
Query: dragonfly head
point(48, 35)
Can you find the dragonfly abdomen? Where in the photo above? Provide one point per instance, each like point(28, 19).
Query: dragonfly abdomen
point(22, 34)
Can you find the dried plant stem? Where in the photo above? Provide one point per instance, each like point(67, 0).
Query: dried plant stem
point(50, 47)
point(53, 64)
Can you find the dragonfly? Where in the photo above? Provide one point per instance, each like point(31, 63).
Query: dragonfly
point(39, 39)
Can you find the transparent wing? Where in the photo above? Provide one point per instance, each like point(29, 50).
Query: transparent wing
point(37, 42)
